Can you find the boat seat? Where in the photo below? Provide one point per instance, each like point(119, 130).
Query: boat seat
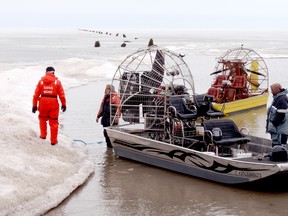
point(214, 92)
point(205, 107)
point(180, 109)
point(239, 82)
point(229, 94)
point(230, 133)
point(219, 80)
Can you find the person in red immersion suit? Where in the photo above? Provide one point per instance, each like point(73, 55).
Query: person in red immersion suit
point(46, 94)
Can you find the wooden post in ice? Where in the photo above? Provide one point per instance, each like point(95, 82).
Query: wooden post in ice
point(151, 43)
point(97, 44)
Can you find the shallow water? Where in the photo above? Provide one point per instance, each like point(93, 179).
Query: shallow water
point(124, 187)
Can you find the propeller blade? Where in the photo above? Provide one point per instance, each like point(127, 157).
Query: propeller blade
point(254, 83)
point(255, 72)
point(219, 71)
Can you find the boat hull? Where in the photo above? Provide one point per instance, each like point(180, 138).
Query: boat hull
point(191, 162)
point(243, 104)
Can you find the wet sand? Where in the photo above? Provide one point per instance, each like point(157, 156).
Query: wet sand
point(124, 187)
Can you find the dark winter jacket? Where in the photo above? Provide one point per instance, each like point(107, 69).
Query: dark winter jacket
point(277, 115)
point(104, 110)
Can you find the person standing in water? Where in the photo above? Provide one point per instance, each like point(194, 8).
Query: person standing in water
point(277, 115)
point(110, 97)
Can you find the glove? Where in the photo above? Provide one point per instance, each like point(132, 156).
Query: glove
point(34, 109)
point(63, 108)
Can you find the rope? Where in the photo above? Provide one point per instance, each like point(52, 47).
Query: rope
point(85, 143)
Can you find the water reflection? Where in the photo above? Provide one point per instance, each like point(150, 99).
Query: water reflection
point(254, 120)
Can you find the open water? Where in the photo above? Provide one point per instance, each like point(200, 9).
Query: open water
point(123, 187)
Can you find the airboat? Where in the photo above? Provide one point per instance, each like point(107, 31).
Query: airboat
point(240, 81)
point(164, 123)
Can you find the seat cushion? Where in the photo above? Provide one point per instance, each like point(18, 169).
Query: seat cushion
point(214, 114)
point(232, 141)
point(188, 117)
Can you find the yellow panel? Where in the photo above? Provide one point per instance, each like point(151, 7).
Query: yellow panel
point(243, 104)
point(254, 77)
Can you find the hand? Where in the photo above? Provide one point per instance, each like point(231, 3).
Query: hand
point(34, 109)
point(97, 119)
point(63, 108)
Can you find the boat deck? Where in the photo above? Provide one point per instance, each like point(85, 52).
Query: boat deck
point(255, 159)
point(258, 152)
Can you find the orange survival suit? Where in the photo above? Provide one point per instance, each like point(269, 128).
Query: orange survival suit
point(46, 92)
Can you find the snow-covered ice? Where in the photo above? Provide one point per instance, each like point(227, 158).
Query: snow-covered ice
point(34, 176)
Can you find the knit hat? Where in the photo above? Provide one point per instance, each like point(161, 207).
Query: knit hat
point(50, 69)
point(275, 88)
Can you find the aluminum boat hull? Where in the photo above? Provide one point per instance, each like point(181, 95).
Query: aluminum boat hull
point(206, 165)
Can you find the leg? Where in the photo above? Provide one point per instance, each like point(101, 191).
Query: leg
point(54, 130)
point(283, 138)
point(43, 118)
point(43, 127)
point(108, 142)
point(53, 123)
point(275, 139)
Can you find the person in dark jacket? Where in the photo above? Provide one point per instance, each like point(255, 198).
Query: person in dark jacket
point(110, 97)
point(277, 115)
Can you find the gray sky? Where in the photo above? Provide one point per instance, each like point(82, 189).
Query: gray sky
point(144, 14)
